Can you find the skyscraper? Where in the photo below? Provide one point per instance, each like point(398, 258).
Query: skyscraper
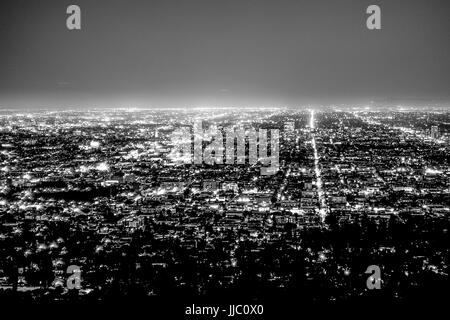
point(289, 127)
point(435, 132)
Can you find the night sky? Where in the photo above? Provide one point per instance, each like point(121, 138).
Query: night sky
point(237, 53)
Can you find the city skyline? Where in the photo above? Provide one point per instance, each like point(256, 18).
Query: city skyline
point(94, 209)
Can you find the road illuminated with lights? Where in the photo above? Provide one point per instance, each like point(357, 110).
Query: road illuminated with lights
point(320, 193)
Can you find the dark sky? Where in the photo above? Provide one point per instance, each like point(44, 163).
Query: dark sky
point(166, 53)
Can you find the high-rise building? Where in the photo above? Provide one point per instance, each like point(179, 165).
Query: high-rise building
point(435, 132)
point(289, 127)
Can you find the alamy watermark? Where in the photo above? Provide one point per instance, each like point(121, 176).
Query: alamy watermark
point(190, 149)
point(374, 280)
point(73, 21)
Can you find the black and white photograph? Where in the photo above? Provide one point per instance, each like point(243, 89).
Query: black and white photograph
point(221, 159)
